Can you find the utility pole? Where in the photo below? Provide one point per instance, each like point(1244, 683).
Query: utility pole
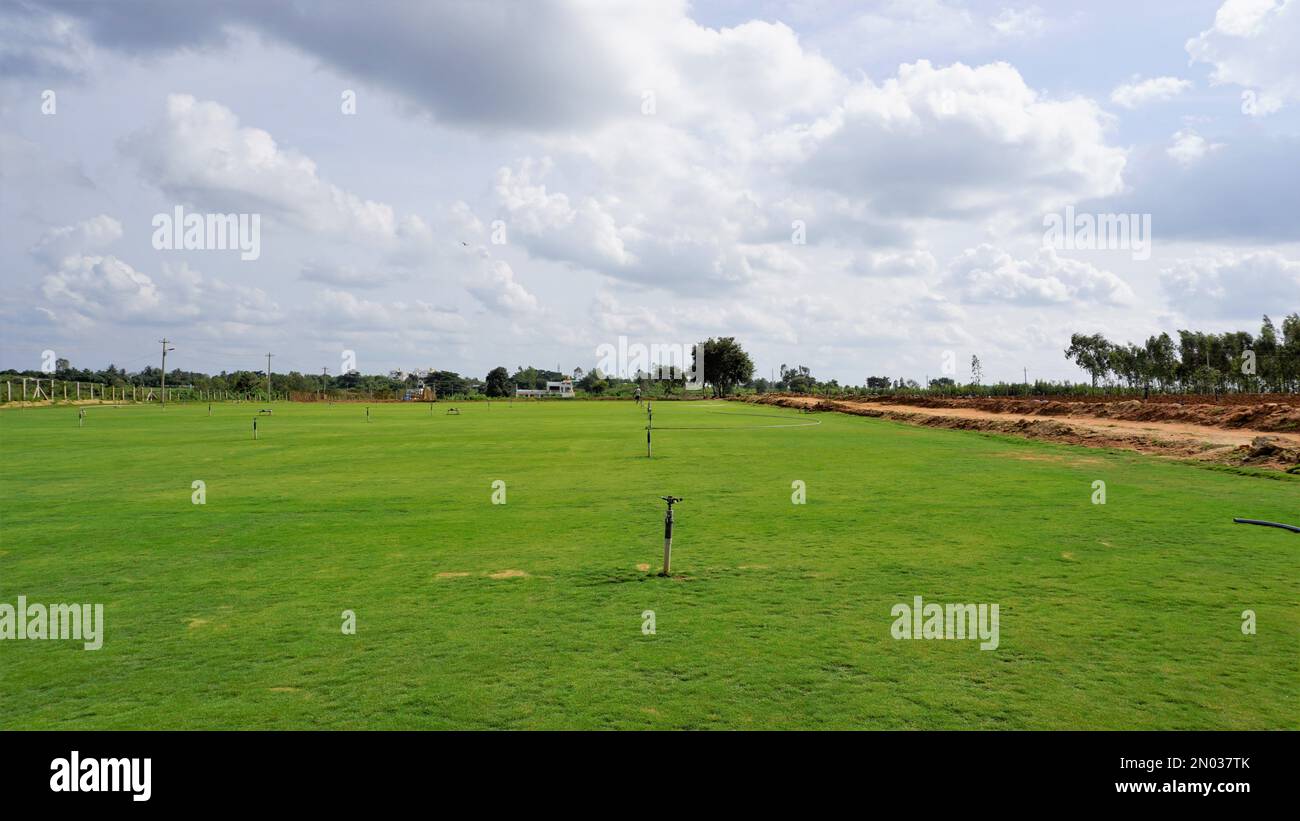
point(165, 349)
point(268, 376)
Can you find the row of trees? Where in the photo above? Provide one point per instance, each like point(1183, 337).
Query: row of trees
point(242, 382)
point(1194, 362)
point(1197, 362)
point(726, 367)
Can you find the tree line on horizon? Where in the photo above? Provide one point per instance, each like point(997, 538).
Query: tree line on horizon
point(727, 366)
point(1197, 362)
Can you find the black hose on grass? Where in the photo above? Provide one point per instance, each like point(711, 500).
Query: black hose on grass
point(1291, 528)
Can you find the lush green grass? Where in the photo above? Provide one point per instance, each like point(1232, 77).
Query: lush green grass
point(227, 615)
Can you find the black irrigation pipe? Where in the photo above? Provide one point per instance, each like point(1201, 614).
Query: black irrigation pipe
point(1291, 528)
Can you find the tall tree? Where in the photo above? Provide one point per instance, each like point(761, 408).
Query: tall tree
point(1162, 361)
point(1092, 353)
point(798, 379)
point(725, 364)
point(498, 382)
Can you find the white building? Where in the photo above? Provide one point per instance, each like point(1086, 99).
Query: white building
point(560, 390)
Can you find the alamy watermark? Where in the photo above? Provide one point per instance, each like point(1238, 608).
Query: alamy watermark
point(656, 361)
point(946, 621)
point(1098, 232)
point(76, 622)
point(77, 774)
point(208, 232)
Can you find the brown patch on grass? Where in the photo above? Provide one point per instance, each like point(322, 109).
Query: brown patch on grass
point(1068, 556)
point(196, 623)
point(650, 711)
point(643, 567)
point(450, 575)
point(1055, 459)
point(753, 567)
point(508, 574)
point(282, 689)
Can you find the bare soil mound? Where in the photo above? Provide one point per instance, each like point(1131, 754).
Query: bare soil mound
point(1220, 437)
point(1271, 416)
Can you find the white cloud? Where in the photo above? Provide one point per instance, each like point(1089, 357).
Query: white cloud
point(109, 290)
point(987, 274)
point(683, 229)
point(915, 263)
point(613, 317)
point(1154, 89)
point(685, 205)
point(190, 295)
point(581, 232)
point(493, 283)
point(681, 322)
point(343, 312)
point(200, 154)
point(51, 45)
point(1189, 147)
point(96, 232)
point(102, 287)
point(535, 118)
point(347, 275)
point(1233, 284)
point(958, 141)
point(1026, 22)
point(919, 28)
point(1252, 44)
point(85, 287)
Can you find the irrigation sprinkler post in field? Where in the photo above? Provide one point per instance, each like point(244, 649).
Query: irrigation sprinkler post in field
point(254, 428)
point(668, 533)
point(367, 413)
point(650, 421)
point(81, 416)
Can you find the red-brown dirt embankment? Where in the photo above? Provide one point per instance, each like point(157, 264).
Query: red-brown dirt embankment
point(1263, 435)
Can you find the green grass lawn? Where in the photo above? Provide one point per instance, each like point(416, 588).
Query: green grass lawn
point(228, 615)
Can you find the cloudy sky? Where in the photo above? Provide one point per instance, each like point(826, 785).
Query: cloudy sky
point(858, 187)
